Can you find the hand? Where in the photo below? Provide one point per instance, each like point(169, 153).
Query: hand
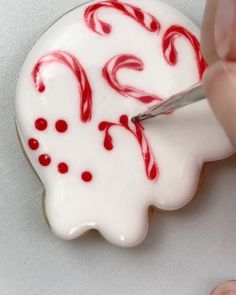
point(219, 49)
point(228, 288)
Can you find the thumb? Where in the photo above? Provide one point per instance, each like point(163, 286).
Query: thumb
point(220, 88)
point(228, 288)
point(219, 43)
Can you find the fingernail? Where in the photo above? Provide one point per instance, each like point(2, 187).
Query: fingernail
point(228, 288)
point(225, 28)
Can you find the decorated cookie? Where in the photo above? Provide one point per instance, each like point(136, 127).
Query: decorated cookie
point(94, 69)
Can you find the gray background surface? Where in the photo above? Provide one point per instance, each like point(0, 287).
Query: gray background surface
point(186, 253)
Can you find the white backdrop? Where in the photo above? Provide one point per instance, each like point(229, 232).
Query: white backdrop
point(186, 252)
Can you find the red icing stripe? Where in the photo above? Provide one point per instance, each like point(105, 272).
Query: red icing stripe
point(126, 61)
point(74, 65)
point(145, 19)
point(151, 167)
point(170, 52)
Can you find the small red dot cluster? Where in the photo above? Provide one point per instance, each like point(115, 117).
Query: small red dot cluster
point(41, 124)
point(45, 160)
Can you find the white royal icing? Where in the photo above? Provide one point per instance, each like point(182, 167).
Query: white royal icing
point(100, 61)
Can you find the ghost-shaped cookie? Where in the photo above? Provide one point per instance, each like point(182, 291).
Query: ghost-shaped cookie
point(95, 68)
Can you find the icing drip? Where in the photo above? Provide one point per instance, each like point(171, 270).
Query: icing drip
point(151, 167)
point(126, 61)
point(74, 65)
point(146, 20)
point(170, 52)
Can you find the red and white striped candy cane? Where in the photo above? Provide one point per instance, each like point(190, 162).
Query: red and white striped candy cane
point(170, 52)
point(150, 163)
point(151, 167)
point(126, 61)
point(74, 65)
point(145, 19)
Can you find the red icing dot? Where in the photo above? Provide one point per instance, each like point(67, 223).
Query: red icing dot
point(44, 160)
point(106, 28)
point(41, 124)
point(154, 26)
point(87, 176)
point(63, 168)
point(41, 87)
point(61, 126)
point(33, 144)
point(102, 126)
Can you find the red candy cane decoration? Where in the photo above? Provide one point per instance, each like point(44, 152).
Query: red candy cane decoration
point(170, 52)
point(151, 167)
point(74, 65)
point(126, 61)
point(145, 19)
